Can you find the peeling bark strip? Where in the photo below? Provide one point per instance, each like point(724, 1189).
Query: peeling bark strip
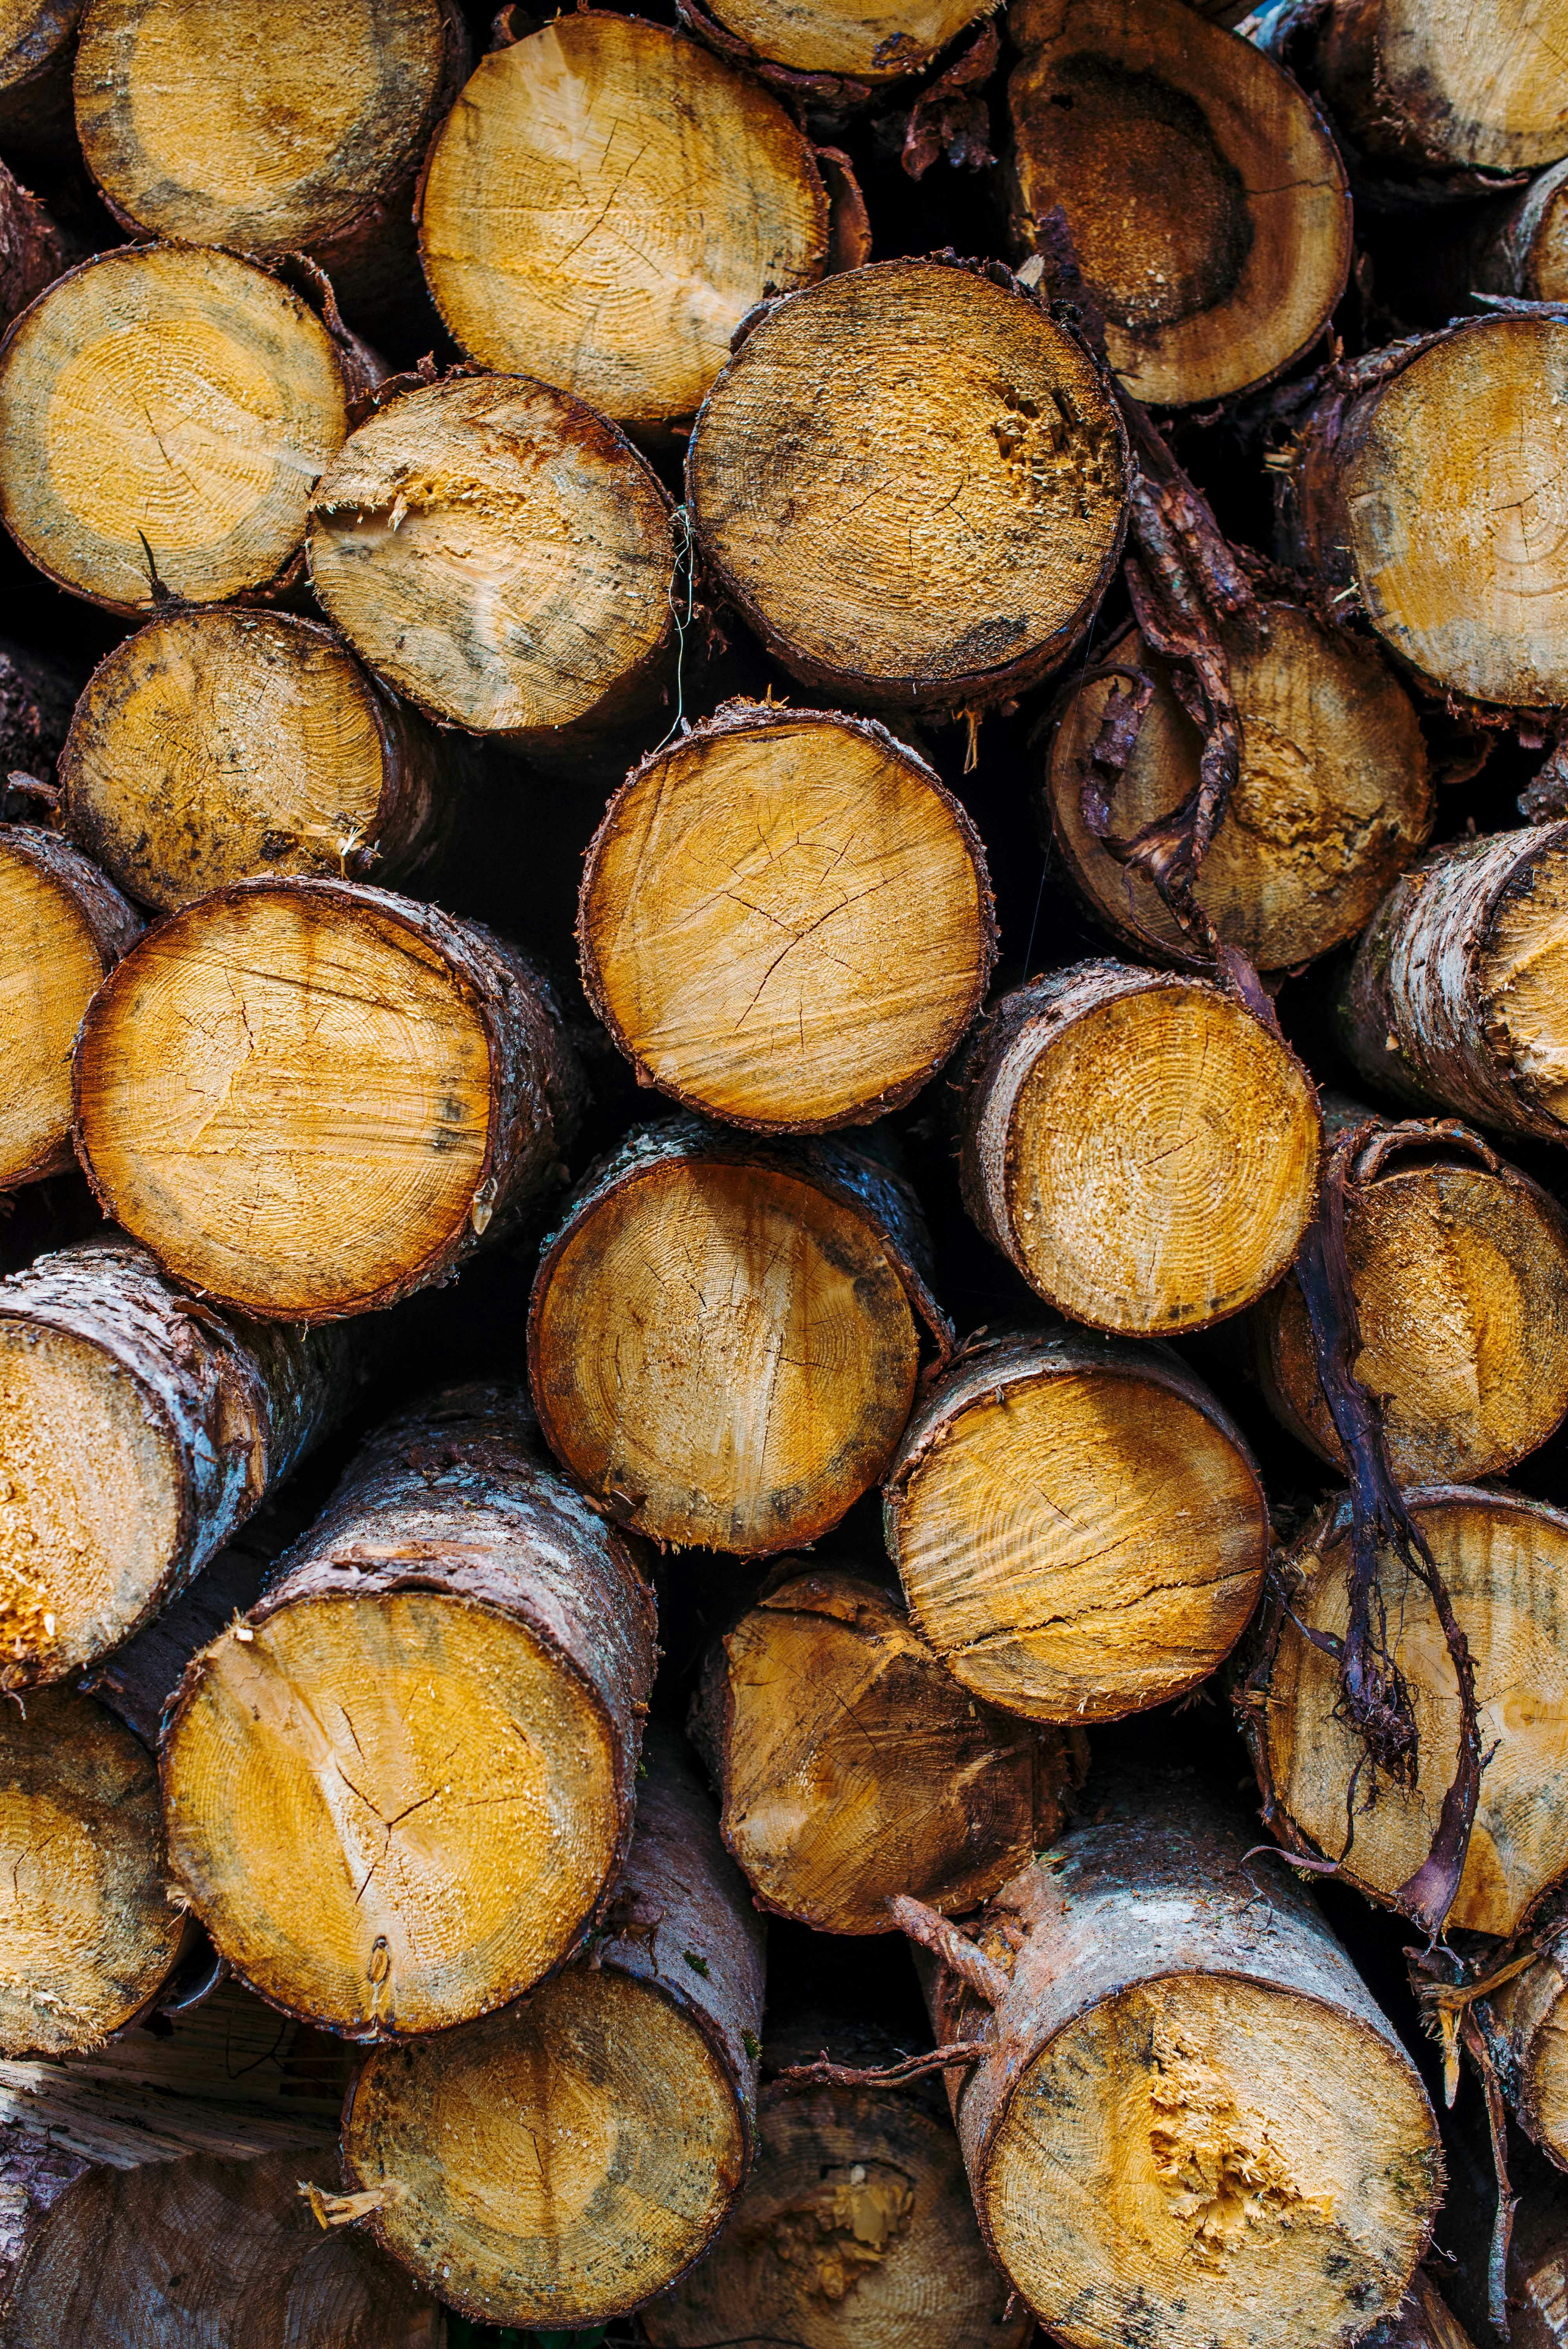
point(220, 1069)
point(1456, 995)
point(1459, 1271)
point(157, 341)
point(62, 926)
point(216, 745)
point(632, 156)
point(436, 1710)
point(1396, 505)
point(564, 2160)
point(1006, 465)
point(1388, 1824)
point(785, 919)
point(1078, 1526)
point(851, 1766)
point(855, 2231)
point(1332, 797)
point(726, 1332)
point(1423, 88)
point(1135, 1207)
point(1277, 2167)
point(1208, 204)
point(503, 556)
point(1526, 2021)
point(305, 135)
point(138, 1429)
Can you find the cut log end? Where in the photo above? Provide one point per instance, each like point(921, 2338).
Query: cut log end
point(61, 926)
point(1080, 1532)
point(221, 398)
point(1001, 464)
point(786, 920)
point(604, 151)
point(1206, 201)
point(1332, 797)
point(87, 1937)
point(1427, 90)
point(1503, 1559)
point(474, 499)
point(872, 42)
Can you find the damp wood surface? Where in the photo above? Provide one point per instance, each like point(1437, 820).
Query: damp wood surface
point(1332, 797)
point(605, 203)
point(1205, 197)
point(912, 482)
point(312, 1096)
point(786, 919)
point(1077, 1525)
point(1424, 86)
point(399, 1791)
point(1502, 1558)
point(1140, 1146)
point(851, 1766)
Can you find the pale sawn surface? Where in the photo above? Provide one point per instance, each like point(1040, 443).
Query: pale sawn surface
point(50, 964)
point(869, 40)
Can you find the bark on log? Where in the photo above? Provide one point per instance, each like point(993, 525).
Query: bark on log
point(851, 1766)
point(725, 1334)
point(856, 2230)
point(1206, 201)
point(1192, 2121)
point(138, 1430)
point(62, 926)
point(33, 250)
point(1078, 1526)
point(1422, 2321)
point(631, 156)
point(997, 489)
point(1514, 245)
point(214, 746)
point(872, 44)
point(502, 556)
point(150, 2197)
point(310, 1098)
point(1332, 799)
point(1504, 1560)
point(1537, 2273)
point(1532, 2014)
point(556, 2164)
point(786, 920)
point(37, 39)
point(399, 1791)
point(1423, 88)
point(303, 131)
point(1139, 1145)
point(1416, 490)
point(1455, 998)
point(87, 1938)
point(164, 413)
point(37, 695)
point(1459, 1266)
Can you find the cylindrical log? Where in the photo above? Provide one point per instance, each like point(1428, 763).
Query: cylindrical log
point(1421, 495)
point(164, 413)
point(1332, 799)
point(950, 557)
point(1504, 1561)
point(214, 746)
point(1538, 2272)
point(1139, 1145)
point(786, 920)
point(36, 41)
point(725, 1334)
point(1456, 998)
point(502, 556)
point(1423, 2320)
point(557, 2163)
point(138, 1430)
point(1515, 245)
point(633, 159)
point(37, 695)
point(1531, 2012)
point(1206, 201)
point(1078, 1524)
point(88, 1935)
point(1421, 90)
point(856, 2230)
point(873, 42)
point(1192, 2121)
point(34, 251)
point(398, 1790)
point(302, 132)
point(62, 926)
point(311, 1097)
point(851, 1766)
point(1459, 1266)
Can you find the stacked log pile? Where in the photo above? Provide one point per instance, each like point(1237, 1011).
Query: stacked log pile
point(783, 1236)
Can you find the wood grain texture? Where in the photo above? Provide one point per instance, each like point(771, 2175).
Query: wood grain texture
point(1430, 86)
point(911, 482)
point(1531, 2016)
point(869, 40)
